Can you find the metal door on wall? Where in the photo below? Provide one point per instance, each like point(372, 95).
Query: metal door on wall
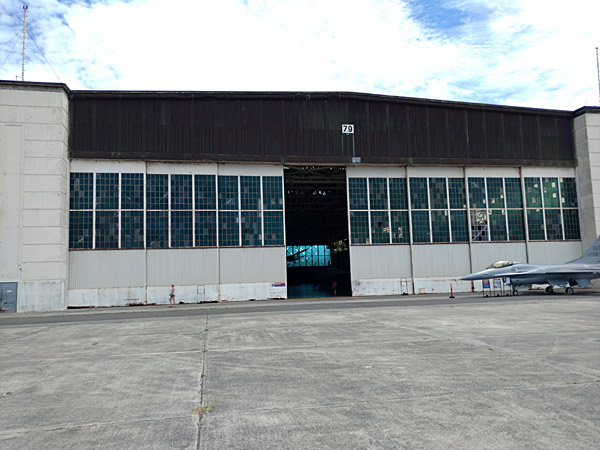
point(8, 297)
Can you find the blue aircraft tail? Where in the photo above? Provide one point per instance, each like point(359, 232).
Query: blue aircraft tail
point(591, 255)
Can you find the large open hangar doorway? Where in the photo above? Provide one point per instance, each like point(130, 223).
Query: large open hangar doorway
point(316, 223)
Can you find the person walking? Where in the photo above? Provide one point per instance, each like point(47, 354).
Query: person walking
point(172, 295)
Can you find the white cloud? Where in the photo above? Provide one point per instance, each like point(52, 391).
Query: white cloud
point(522, 52)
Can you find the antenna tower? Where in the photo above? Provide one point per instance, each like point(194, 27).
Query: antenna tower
point(24, 35)
point(598, 70)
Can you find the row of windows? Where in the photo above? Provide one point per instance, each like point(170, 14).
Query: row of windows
point(133, 210)
point(444, 193)
point(383, 210)
point(162, 192)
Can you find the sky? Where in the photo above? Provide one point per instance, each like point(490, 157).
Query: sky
point(534, 53)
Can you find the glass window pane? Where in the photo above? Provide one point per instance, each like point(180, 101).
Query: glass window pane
point(378, 193)
point(398, 199)
point(181, 192)
point(132, 229)
point(477, 193)
point(80, 229)
point(107, 229)
point(206, 228)
point(498, 225)
point(273, 227)
point(516, 225)
point(418, 194)
point(205, 192)
point(458, 196)
point(550, 192)
point(460, 231)
point(157, 192)
point(251, 228)
point(569, 192)
point(400, 227)
point(514, 194)
point(440, 231)
point(81, 191)
point(157, 229)
point(181, 228)
point(229, 230)
point(533, 193)
point(438, 194)
point(357, 191)
point(359, 227)
point(420, 226)
point(272, 193)
point(380, 227)
point(553, 224)
point(228, 192)
point(479, 226)
point(535, 220)
point(495, 190)
point(250, 192)
point(132, 191)
point(571, 220)
point(107, 191)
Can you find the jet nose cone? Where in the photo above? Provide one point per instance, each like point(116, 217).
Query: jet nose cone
point(471, 277)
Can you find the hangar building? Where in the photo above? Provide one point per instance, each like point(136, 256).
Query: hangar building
point(108, 198)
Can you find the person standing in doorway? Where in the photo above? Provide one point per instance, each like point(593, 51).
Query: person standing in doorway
point(172, 295)
point(334, 288)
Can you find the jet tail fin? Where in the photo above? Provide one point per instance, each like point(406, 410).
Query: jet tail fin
point(591, 255)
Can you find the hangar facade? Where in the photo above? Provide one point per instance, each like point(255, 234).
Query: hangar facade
point(108, 198)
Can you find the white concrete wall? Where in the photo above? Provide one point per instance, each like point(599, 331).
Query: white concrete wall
point(119, 277)
point(587, 147)
point(34, 177)
point(380, 269)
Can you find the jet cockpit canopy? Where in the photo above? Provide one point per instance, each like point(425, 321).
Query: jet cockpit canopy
point(500, 264)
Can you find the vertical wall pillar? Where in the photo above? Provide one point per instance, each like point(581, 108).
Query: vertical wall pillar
point(587, 146)
point(34, 182)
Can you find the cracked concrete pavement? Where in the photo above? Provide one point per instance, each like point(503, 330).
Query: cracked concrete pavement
point(503, 375)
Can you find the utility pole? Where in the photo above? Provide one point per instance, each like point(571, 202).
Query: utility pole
point(24, 35)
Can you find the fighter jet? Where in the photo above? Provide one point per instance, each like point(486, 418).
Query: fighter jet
point(578, 272)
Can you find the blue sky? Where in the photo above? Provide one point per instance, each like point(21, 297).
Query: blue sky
point(513, 52)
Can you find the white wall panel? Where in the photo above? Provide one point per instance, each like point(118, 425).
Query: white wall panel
point(508, 172)
point(553, 252)
point(441, 260)
point(253, 265)
point(372, 171)
point(548, 172)
point(379, 261)
point(106, 269)
point(251, 169)
point(97, 165)
point(486, 253)
point(10, 200)
point(429, 171)
point(190, 266)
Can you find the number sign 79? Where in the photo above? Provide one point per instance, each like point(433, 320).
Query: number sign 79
point(347, 128)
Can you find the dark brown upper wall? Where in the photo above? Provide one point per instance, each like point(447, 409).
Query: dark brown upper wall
point(306, 128)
